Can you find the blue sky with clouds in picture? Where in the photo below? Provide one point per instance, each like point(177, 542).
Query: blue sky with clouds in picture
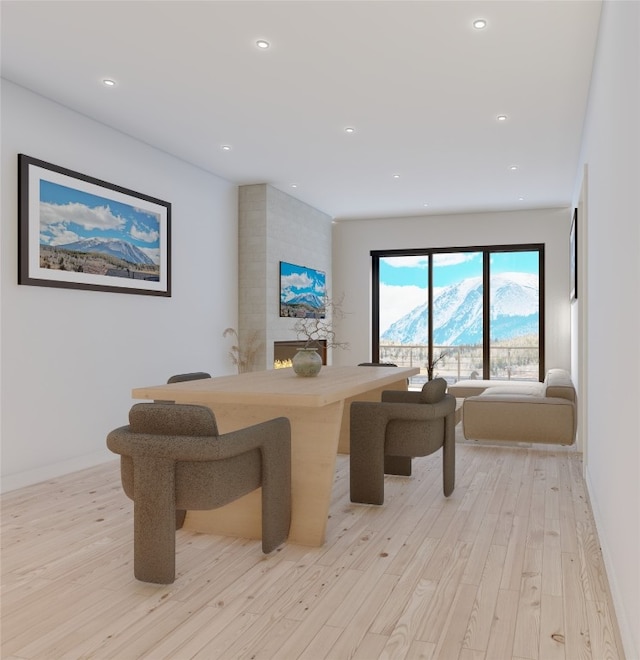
point(68, 215)
point(300, 280)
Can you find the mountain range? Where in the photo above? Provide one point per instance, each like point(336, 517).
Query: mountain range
point(457, 312)
point(310, 299)
point(111, 246)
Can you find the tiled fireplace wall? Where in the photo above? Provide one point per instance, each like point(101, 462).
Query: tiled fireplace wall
point(274, 227)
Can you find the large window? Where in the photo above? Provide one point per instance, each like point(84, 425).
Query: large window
point(461, 313)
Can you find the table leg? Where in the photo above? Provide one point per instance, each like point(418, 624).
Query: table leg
point(314, 445)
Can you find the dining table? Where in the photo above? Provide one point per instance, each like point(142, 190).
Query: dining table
point(318, 410)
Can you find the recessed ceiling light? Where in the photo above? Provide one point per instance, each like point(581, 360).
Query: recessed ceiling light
point(520, 199)
point(396, 176)
point(349, 129)
point(513, 168)
point(226, 147)
point(501, 117)
point(479, 24)
point(262, 43)
point(425, 204)
point(108, 82)
point(294, 185)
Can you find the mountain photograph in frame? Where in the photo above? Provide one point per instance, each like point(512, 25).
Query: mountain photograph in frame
point(79, 232)
point(302, 291)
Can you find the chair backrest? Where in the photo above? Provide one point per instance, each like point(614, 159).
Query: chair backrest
point(172, 419)
point(433, 390)
point(377, 364)
point(194, 375)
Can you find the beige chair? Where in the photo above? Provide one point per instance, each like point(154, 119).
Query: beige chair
point(385, 436)
point(173, 459)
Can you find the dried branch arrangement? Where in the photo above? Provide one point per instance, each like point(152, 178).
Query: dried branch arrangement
point(314, 330)
point(243, 354)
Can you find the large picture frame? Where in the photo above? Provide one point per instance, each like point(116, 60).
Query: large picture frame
point(78, 232)
point(573, 243)
point(303, 291)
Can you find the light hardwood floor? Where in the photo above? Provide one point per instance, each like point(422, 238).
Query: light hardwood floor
point(508, 567)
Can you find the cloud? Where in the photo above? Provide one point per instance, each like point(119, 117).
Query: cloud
point(454, 258)
point(416, 261)
point(396, 301)
point(57, 235)
point(297, 281)
point(150, 236)
point(439, 259)
point(98, 217)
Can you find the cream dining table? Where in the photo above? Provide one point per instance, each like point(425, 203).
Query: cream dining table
point(318, 409)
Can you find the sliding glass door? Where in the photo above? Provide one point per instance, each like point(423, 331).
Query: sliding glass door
point(460, 313)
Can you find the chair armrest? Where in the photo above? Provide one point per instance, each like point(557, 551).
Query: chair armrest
point(401, 396)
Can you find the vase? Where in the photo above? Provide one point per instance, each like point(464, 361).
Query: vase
point(307, 362)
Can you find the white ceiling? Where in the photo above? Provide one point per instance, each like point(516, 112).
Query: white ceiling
point(421, 87)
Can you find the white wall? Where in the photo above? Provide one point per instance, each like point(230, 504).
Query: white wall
point(611, 146)
point(69, 358)
point(353, 240)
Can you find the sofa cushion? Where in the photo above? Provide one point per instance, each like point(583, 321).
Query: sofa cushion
point(433, 390)
point(522, 389)
point(464, 388)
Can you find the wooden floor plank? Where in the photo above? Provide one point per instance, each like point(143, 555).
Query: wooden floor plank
point(509, 566)
point(504, 625)
point(552, 637)
point(482, 613)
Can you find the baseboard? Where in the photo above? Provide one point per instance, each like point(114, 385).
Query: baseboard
point(30, 477)
point(627, 639)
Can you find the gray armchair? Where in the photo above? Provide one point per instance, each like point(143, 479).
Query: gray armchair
point(173, 459)
point(385, 436)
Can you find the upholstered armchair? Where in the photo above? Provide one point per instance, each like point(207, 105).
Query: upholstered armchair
point(386, 435)
point(173, 459)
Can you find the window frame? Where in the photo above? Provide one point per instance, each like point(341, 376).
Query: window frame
point(486, 251)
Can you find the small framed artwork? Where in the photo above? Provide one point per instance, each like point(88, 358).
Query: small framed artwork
point(573, 242)
point(302, 291)
point(78, 232)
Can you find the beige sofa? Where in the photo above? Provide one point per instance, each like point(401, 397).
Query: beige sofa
point(519, 411)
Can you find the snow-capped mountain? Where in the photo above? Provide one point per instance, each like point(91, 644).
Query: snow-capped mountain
point(114, 247)
point(310, 299)
point(457, 312)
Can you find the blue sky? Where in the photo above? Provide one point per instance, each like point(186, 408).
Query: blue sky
point(450, 268)
point(68, 215)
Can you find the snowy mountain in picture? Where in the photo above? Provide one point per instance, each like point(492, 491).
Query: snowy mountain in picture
point(457, 312)
point(113, 247)
point(310, 299)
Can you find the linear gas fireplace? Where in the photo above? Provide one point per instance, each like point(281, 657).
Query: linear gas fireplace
point(283, 351)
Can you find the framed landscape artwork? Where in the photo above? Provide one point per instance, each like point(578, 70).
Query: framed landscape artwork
point(573, 241)
point(302, 291)
point(79, 232)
